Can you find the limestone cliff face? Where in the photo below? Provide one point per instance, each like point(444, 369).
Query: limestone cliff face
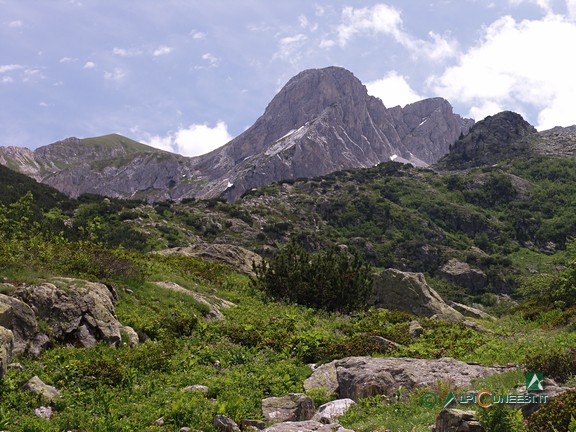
point(321, 121)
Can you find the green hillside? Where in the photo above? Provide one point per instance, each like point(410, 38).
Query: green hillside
point(512, 221)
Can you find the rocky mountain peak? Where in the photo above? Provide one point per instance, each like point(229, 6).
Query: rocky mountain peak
point(501, 136)
point(321, 121)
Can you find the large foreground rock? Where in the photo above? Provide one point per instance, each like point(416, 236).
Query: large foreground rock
point(358, 377)
point(76, 311)
point(409, 292)
point(239, 258)
point(306, 426)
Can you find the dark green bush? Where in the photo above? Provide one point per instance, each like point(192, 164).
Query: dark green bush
point(554, 416)
point(559, 365)
point(333, 279)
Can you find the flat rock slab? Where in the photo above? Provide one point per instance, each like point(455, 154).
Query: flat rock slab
point(358, 377)
point(306, 426)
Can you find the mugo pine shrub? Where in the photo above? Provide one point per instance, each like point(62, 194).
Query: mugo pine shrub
point(334, 279)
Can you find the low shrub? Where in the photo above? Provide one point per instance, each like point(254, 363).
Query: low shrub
point(555, 416)
point(558, 364)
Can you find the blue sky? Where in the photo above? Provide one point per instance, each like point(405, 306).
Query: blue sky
point(188, 75)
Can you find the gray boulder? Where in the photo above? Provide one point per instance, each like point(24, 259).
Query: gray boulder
point(409, 292)
point(20, 318)
point(455, 420)
point(6, 349)
point(306, 426)
point(76, 311)
point(239, 258)
point(292, 407)
point(359, 377)
point(415, 329)
point(470, 311)
point(37, 386)
point(225, 424)
point(215, 304)
point(330, 411)
point(324, 376)
point(462, 274)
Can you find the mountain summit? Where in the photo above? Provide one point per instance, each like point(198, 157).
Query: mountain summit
point(322, 120)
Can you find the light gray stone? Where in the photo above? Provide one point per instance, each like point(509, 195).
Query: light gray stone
point(306, 426)
point(292, 407)
point(455, 420)
point(415, 329)
point(330, 411)
point(323, 376)
point(6, 349)
point(37, 386)
point(225, 424)
point(409, 292)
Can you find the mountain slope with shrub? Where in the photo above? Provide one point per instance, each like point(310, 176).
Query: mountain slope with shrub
point(259, 349)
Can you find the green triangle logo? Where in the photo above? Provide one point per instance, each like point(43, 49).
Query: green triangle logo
point(449, 399)
point(534, 381)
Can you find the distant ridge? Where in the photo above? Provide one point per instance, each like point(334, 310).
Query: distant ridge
point(322, 120)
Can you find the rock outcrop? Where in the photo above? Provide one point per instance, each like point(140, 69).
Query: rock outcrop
point(474, 280)
point(239, 258)
point(496, 138)
point(409, 292)
point(358, 377)
point(215, 304)
point(76, 311)
point(72, 311)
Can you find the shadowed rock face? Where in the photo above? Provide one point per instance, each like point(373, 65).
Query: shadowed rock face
point(321, 121)
point(491, 140)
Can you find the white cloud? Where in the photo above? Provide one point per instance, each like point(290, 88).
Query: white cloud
point(379, 19)
point(211, 59)
point(327, 43)
point(520, 66)
point(15, 24)
point(123, 52)
point(393, 90)
point(289, 48)
point(195, 140)
point(163, 50)
point(387, 20)
point(89, 65)
point(116, 75)
point(571, 8)
point(68, 60)
point(7, 80)
point(10, 67)
point(197, 35)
